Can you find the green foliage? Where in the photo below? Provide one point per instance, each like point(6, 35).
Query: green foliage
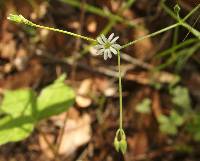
point(21, 109)
point(54, 99)
point(169, 124)
point(144, 106)
point(181, 98)
point(193, 126)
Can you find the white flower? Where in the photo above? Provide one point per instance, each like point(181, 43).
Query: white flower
point(107, 46)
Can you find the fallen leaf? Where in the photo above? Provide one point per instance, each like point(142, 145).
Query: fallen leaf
point(82, 99)
point(77, 133)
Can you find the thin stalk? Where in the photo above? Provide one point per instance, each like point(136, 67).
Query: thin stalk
point(182, 21)
point(193, 26)
point(151, 35)
point(93, 9)
point(190, 13)
point(20, 19)
point(175, 39)
point(191, 29)
point(120, 93)
point(183, 44)
point(65, 32)
point(100, 12)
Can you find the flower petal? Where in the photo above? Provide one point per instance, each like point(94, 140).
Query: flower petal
point(100, 52)
point(115, 39)
point(111, 37)
point(100, 41)
point(109, 54)
point(98, 47)
point(113, 50)
point(105, 54)
point(116, 46)
point(104, 38)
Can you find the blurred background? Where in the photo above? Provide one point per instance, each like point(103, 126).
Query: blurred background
point(161, 79)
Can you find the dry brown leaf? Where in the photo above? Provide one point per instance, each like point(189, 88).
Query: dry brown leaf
point(106, 86)
point(91, 24)
point(77, 133)
point(82, 99)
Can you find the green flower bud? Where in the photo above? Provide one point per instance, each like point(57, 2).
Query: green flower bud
point(177, 10)
point(123, 146)
point(19, 19)
point(116, 144)
point(120, 145)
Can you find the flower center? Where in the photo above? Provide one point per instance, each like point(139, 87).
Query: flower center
point(107, 45)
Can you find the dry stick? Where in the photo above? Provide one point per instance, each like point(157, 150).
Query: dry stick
point(52, 148)
point(61, 135)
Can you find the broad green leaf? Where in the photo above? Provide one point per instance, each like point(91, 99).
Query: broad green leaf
point(144, 106)
point(19, 102)
point(55, 99)
point(19, 107)
point(15, 129)
point(22, 110)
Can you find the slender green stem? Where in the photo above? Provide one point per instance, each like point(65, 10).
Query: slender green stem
point(93, 9)
point(65, 32)
point(151, 35)
point(22, 20)
point(182, 21)
point(120, 93)
point(175, 37)
point(169, 11)
point(183, 44)
point(100, 12)
point(191, 29)
point(190, 13)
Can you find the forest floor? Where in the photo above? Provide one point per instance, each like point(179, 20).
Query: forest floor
point(34, 58)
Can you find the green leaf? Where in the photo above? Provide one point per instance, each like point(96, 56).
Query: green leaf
point(19, 107)
point(22, 110)
point(181, 97)
point(55, 99)
point(168, 129)
point(144, 106)
point(19, 102)
point(15, 129)
point(162, 119)
point(176, 119)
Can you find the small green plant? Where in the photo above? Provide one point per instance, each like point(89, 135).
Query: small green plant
point(169, 124)
point(180, 113)
point(144, 106)
point(107, 46)
point(22, 109)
